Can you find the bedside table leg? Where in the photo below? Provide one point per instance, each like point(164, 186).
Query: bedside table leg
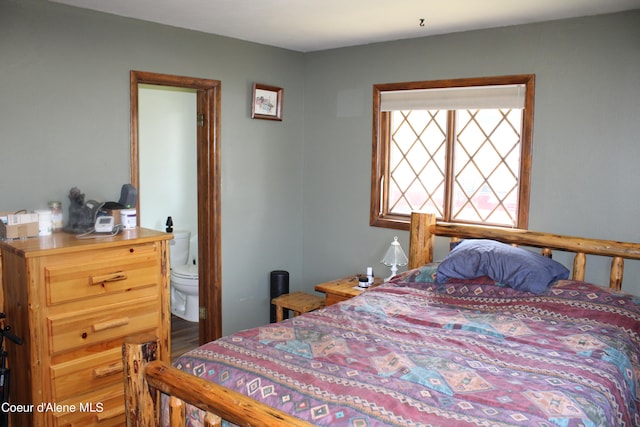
point(279, 313)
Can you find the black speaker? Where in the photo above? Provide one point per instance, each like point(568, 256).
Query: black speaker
point(279, 286)
point(128, 196)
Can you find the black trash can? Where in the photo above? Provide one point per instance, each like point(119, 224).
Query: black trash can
point(279, 286)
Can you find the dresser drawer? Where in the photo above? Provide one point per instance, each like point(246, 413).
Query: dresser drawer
point(67, 332)
point(103, 408)
point(82, 375)
point(95, 273)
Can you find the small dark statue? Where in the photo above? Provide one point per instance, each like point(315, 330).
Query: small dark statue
point(82, 216)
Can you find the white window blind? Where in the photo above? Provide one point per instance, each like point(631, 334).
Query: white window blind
point(454, 98)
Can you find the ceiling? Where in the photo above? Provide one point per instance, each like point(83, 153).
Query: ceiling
point(311, 25)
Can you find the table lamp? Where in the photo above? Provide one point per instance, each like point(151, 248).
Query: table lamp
point(394, 257)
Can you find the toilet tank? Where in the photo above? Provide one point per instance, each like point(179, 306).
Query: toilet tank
point(179, 247)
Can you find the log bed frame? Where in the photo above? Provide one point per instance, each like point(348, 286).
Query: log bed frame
point(145, 377)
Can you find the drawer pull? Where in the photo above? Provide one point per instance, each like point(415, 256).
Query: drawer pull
point(105, 278)
point(109, 324)
point(105, 371)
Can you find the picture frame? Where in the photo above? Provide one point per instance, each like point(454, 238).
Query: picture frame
point(266, 102)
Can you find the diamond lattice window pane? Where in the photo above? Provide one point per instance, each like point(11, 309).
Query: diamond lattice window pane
point(399, 203)
point(503, 180)
point(486, 164)
point(416, 195)
point(432, 177)
point(420, 120)
point(486, 159)
point(468, 180)
point(404, 132)
point(470, 135)
point(418, 157)
point(403, 175)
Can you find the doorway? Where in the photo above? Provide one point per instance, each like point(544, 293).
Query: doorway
point(208, 183)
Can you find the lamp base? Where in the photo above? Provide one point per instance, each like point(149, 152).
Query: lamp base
point(394, 270)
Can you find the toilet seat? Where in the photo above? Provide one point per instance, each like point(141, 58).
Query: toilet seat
point(187, 272)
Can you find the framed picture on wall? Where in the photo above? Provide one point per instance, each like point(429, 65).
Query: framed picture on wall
point(266, 102)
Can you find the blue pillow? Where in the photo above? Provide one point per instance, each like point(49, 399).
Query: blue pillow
point(516, 267)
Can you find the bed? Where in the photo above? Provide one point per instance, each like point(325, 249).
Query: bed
point(477, 339)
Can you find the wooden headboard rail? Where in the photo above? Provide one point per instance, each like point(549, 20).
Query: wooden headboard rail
point(424, 228)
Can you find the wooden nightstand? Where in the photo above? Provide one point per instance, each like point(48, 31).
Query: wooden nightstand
point(343, 289)
point(298, 302)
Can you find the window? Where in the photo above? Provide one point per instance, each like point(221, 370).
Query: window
point(458, 148)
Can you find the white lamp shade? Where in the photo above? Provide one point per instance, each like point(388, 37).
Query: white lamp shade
point(395, 255)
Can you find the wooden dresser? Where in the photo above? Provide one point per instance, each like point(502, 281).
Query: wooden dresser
point(72, 301)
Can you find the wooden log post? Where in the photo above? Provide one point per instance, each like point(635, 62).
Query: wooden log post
point(421, 239)
point(579, 266)
point(617, 271)
point(177, 411)
point(211, 420)
point(140, 408)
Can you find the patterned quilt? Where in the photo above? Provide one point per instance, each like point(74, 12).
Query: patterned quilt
point(468, 353)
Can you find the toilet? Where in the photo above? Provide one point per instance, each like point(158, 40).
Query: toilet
point(184, 278)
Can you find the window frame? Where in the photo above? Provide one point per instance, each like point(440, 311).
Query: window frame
point(378, 215)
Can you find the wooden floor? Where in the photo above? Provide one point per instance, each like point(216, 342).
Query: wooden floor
point(184, 336)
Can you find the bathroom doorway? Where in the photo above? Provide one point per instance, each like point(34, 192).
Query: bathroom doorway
point(207, 99)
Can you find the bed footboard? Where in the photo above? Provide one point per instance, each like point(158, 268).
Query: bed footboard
point(145, 378)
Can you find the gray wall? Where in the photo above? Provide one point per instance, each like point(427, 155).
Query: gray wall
point(295, 194)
